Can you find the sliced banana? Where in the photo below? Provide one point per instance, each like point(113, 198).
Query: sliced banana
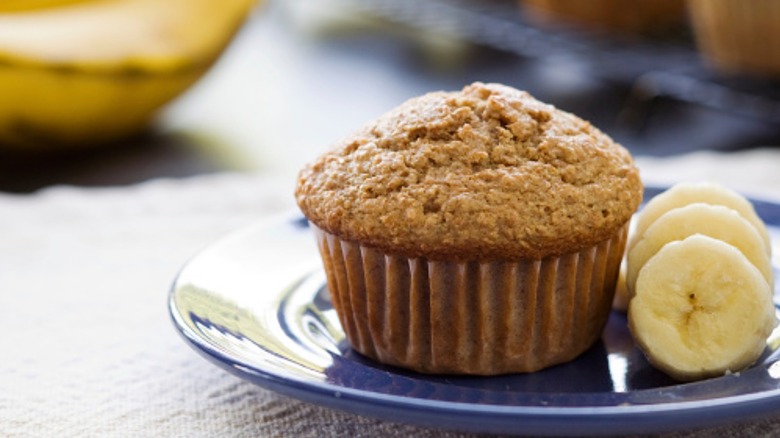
point(715, 221)
point(686, 193)
point(701, 309)
point(620, 301)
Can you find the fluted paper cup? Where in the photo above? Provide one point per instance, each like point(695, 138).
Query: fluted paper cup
point(470, 317)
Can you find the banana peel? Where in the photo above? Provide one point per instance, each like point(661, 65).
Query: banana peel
point(80, 73)
point(28, 5)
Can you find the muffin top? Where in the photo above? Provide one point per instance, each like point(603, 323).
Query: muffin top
point(486, 173)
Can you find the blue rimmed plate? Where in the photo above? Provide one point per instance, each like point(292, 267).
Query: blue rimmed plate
point(255, 303)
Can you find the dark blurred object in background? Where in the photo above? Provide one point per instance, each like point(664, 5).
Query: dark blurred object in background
point(652, 92)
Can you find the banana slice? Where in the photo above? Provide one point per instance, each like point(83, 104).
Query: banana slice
point(715, 221)
point(620, 301)
point(701, 309)
point(687, 193)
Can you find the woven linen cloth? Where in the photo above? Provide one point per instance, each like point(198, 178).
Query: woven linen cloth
point(87, 347)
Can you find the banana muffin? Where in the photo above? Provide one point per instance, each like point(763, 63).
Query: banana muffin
point(472, 232)
point(645, 17)
point(738, 38)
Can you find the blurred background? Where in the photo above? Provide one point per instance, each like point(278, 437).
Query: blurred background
point(298, 75)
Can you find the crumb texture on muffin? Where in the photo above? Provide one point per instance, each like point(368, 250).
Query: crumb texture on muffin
point(487, 173)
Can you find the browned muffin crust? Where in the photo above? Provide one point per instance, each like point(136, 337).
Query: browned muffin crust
point(485, 173)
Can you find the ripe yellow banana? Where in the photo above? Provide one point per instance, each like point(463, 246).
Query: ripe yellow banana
point(715, 221)
point(686, 193)
point(29, 5)
point(701, 309)
point(79, 73)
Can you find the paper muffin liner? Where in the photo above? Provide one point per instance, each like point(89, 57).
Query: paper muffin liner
point(738, 37)
point(470, 317)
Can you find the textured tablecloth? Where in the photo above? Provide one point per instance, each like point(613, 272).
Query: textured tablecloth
point(86, 344)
